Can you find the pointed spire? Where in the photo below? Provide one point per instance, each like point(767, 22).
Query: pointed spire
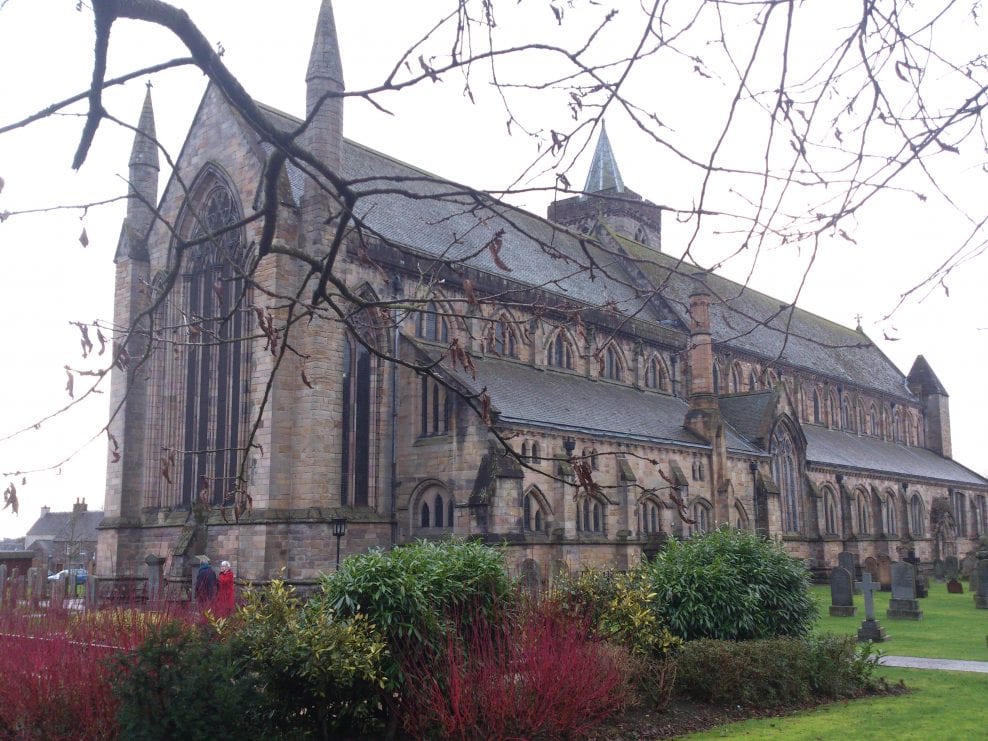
point(145, 149)
point(324, 59)
point(604, 173)
point(143, 190)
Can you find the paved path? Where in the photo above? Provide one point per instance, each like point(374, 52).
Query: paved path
point(954, 665)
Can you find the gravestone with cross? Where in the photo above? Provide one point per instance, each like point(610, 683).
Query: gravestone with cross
point(904, 605)
point(870, 629)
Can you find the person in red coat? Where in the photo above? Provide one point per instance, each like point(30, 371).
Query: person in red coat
point(225, 597)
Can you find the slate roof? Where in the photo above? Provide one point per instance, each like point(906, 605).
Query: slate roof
point(745, 412)
point(60, 526)
point(603, 174)
point(527, 396)
point(759, 324)
point(848, 450)
point(432, 217)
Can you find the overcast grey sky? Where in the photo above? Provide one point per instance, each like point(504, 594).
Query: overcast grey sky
point(49, 279)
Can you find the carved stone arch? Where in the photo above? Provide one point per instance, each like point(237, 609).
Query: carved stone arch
point(863, 511)
point(656, 372)
point(741, 519)
point(422, 508)
point(701, 511)
point(737, 376)
point(502, 334)
point(787, 447)
point(535, 511)
point(435, 319)
point(370, 325)
point(890, 512)
point(613, 364)
point(832, 519)
point(560, 349)
point(212, 204)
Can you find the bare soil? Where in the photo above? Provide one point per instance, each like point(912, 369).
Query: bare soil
point(683, 717)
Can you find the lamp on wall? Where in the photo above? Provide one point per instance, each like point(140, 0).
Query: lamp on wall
point(339, 530)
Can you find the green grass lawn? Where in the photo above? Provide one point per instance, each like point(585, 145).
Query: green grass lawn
point(951, 628)
point(942, 705)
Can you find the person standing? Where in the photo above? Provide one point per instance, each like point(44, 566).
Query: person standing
point(226, 596)
point(206, 584)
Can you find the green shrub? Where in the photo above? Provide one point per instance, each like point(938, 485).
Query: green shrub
point(322, 674)
point(731, 585)
point(774, 672)
point(619, 607)
point(410, 591)
point(183, 683)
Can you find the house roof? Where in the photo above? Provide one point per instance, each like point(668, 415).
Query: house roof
point(67, 526)
point(746, 412)
point(755, 323)
point(848, 450)
point(530, 397)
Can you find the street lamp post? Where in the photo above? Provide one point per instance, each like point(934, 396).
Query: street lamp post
point(339, 530)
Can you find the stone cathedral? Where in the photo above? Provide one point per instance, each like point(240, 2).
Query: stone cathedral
point(688, 400)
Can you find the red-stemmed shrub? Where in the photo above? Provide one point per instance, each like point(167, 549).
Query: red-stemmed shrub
point(535, 675)
point(56, 670)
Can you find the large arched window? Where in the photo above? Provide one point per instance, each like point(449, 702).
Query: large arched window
point(917, 516)
point(864, 512)
point(503, 340)
point(834, 418)
point(590, 516)
point(980, 511)
point(785, 470)
point(889, 520)
point(656, 375)
point(831, 513)
point(359, 387)
point(651, 518)
point(817, 417)
point(958, 503)
point(533, 516)
point(700, 514)
point(216, 303)
point(435, 408)
point(846, 419)
point(716, 378)
point(559, 354)
point(611, 363)
point(431, 324)
point(736, 378)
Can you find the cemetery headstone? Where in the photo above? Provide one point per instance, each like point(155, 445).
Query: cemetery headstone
point(954, 587)
point(530, 576)
point(870, 629)
point(849, 562)
point(841, 593)
point(981, 596)
point(922, 586)
point(968, 564)
point(951, 567)
point(885, 572)
point(974, 580)
point(35, 586)
point(903, 605)
point(939, 569)
point(3, 583)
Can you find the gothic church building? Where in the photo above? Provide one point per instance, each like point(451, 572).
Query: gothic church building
point(688, 400)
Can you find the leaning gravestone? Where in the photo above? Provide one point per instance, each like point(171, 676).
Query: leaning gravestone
point(981, 596)
point(951, 567)
point(849, 562)
point(903, 604)
point(841, 593)
point(954, 587)
point(939, 569)
point(870, 629)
